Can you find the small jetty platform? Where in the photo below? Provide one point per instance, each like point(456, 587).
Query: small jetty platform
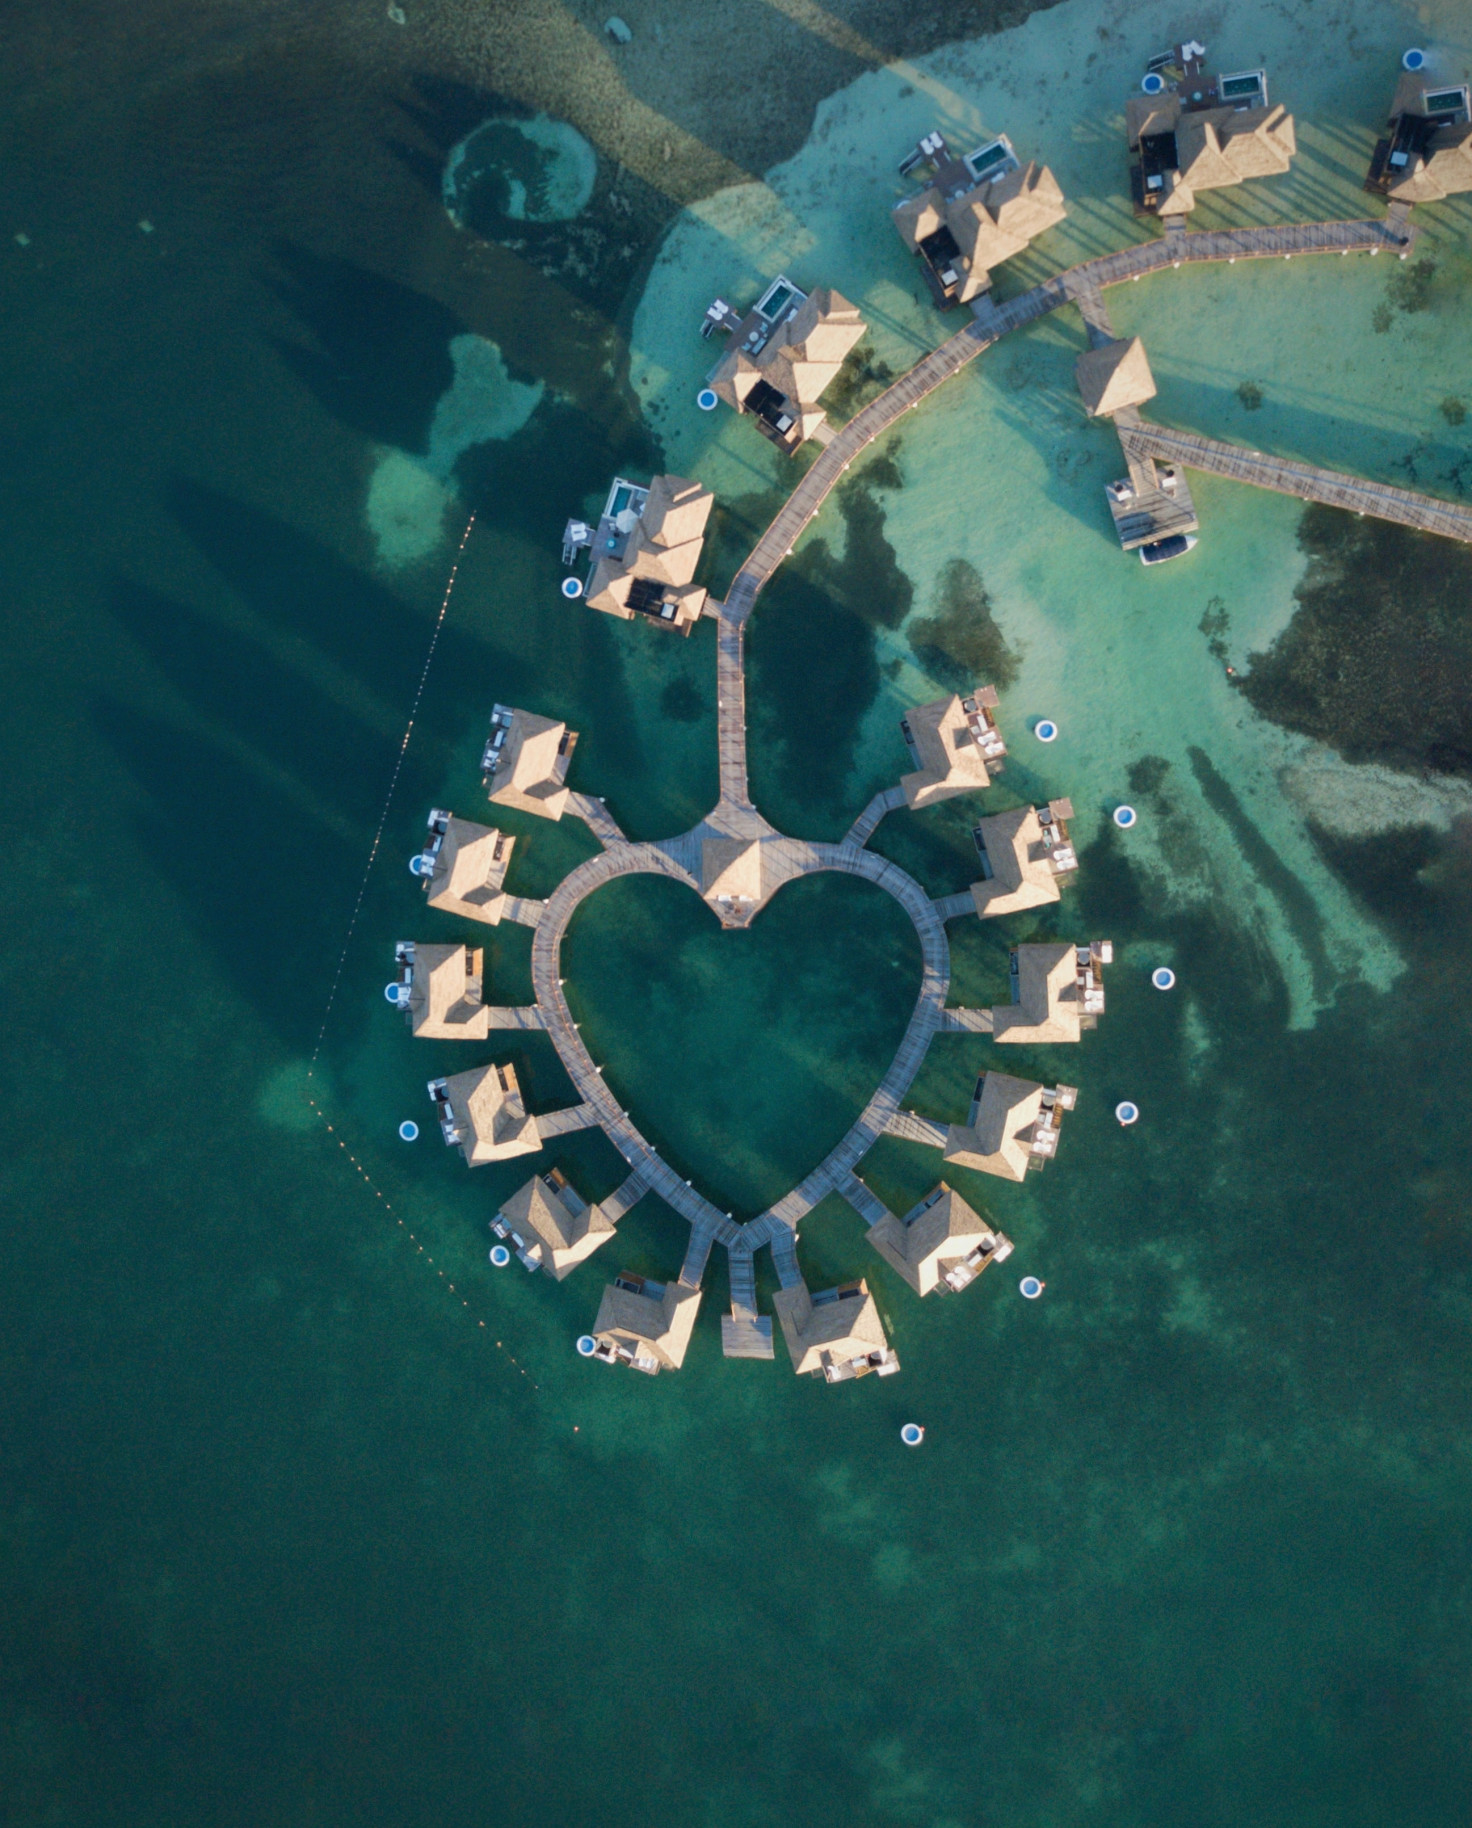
point(1146, 443)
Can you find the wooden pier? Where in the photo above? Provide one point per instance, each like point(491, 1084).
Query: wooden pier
point(1304, 480)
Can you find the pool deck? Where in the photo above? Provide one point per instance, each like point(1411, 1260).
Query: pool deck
point(746, 1333)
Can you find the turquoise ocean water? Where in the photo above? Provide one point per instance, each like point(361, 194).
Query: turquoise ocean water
point(307, 1516)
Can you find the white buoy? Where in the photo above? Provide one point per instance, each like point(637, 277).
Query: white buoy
point(1127, 1113)
point(1124, 817)
point(912, 1434)
point(572, 588)
point(500, 1256)
point(409, 1130)
point(707, 400)
point(1046, 731)
point(587, 1345)
point(1030, 1288)
point(1163, 978)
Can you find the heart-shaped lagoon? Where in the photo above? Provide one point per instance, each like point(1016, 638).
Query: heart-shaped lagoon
point(745, 1055)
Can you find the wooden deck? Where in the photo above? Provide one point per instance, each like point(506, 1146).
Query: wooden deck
point(1306, 481)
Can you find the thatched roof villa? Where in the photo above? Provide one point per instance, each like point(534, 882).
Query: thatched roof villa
point(1057, 992)
point(645, 1324)
point(1202, 132)
point(1023, 854)
point(1012, 1126)
point(941, 1243)
point(482, 1114)
point(646, 551)
point(955, 745)
point(836, 1335)
point(446, 986)
point(782, 356)
point(975, 213)
point(525, 762)
point(551, 1226)
point(1427, 152)
point(463, 867)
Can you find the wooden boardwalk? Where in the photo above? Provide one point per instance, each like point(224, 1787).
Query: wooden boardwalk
point(596, 816)
point(1305, 480)
point(731, 711)
point(952, 907)
point(1079, 285)
point(500, 1015)
point(868, 821)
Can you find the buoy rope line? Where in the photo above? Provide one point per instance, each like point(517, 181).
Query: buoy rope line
point(419, 1249)
point(362, 1173)
point(392, 784)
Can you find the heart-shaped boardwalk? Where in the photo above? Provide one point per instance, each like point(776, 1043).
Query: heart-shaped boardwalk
point(735, 826)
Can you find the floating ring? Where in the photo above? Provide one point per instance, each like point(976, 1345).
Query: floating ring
point(1124, 817)
point(1163, 978)
point(408, 1130)
point(1030, 1288)
point(1126, 1112)
point(912, 1434)
point(587, 1345)
point(707, 400)
point(500, 1256)
point(1046, 731)
point(572, 589)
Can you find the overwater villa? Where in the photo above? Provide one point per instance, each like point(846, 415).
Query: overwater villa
point(782, 356)
point(1426, 153)
point(645, 1324)
point(550, 1226)
point(463, 866)
point(1023, 854)
point(441, 990)
point(1192, 131)
point(940, 1244)
point(1057, 992)
point(645, 550)
point(482, 1114)
point(974, 213)
point(731, 878)
point(1114, 376)
point(525, 762)
point(1013, 1126)
point(955, 745)
point(836, 1334)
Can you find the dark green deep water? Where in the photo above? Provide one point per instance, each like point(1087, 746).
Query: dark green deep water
point(292, 1532)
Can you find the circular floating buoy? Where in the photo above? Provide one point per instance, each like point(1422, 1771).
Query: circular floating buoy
point(1163, 978)
point(1031, 1288)
point(1046, 731)
point(1126, 1112)
point(587, 1345)
point(408, 1130)
point(707, 400)
point(1414, 59)
point(572, 588)
point(394, 993)
point(500, 1256)
point(1152, 82)
point(1124, 817)
point(416, 865)
point(912, 1434)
